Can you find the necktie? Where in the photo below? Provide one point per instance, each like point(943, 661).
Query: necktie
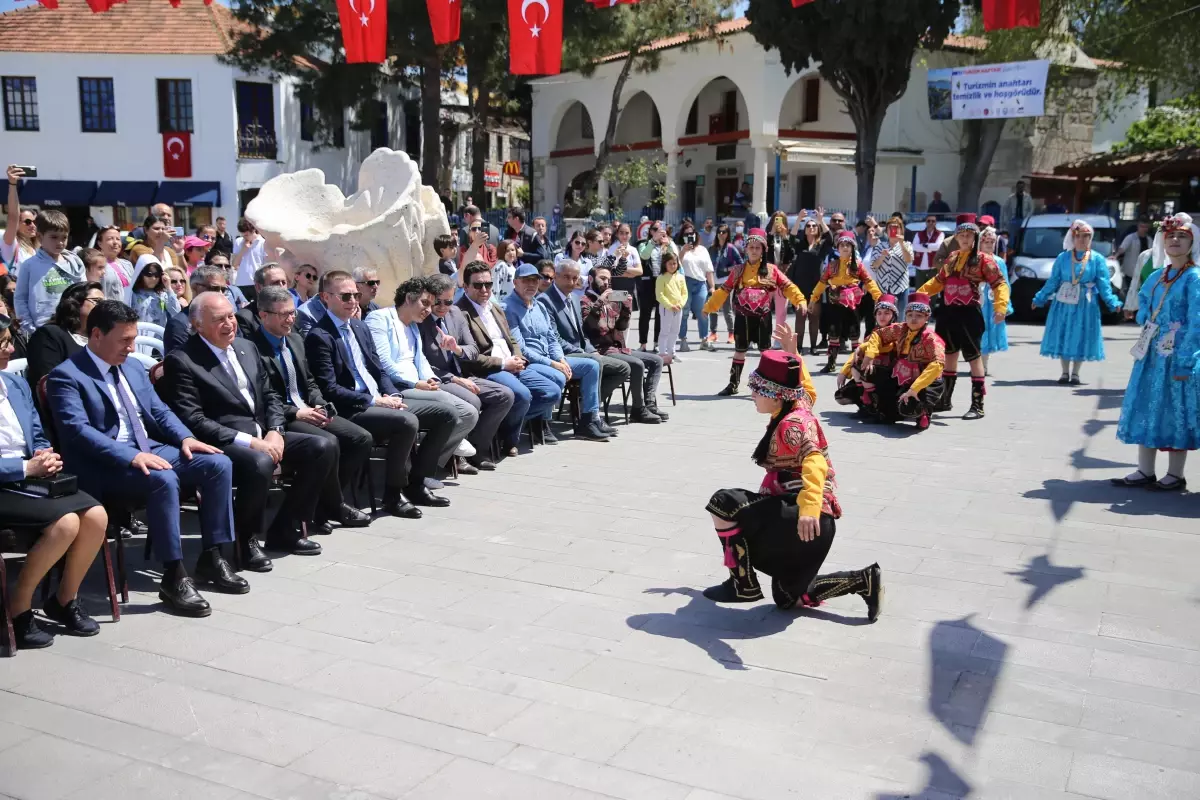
point(127, 404)
point(289, 377)
point(451, 359)
point(358, 364)
point(239, 378)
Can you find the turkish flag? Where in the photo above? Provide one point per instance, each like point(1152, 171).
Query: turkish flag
point(535, 37)
point(102, 5)
point(177, 155)
point(446, 18)
point(49, 3)
point(1002, 14)
point(364, 30)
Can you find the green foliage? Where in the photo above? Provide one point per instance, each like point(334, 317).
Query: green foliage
point(1163, 128)
point(522, 196)
point(1153, 41)
point(637, 173)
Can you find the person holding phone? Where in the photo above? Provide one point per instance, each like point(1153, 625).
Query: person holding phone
point(20, 240)
point(890, 263)
point(698, 271)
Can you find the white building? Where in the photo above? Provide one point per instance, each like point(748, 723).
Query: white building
point(721, 112)
point(88, 98)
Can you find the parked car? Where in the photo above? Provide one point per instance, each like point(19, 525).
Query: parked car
point(1039, 244)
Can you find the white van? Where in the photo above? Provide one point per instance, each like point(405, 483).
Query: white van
point(1031, 259)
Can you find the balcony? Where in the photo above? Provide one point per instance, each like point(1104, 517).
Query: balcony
point(257, 141)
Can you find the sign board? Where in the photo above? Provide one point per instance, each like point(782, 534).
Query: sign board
point(987, 91)
point(491, 179)
point(512, 168)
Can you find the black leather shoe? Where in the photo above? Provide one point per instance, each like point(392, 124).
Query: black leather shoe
point(590, 431)
point(180, 597)
point(662, 415)
point(548, 436)
point(423, 497)
point(71, 616)
point(289, 540)
point(645, 416)
point(29, 634)
point(253, 558)
point(400, 507)
point(465, 467)
point(482, 464)
point(604, 426)
point(213, 569)
point(353, 517)
point(323, 528)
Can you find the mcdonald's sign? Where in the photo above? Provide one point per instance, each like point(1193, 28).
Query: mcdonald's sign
point(512, 168)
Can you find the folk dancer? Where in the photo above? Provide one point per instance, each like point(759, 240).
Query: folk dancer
point(910, 384)
point(846, 279)
point(753, 286)
point(854, 384)
point(995, 334)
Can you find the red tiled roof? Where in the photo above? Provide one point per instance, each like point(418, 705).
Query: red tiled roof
point(135, 26)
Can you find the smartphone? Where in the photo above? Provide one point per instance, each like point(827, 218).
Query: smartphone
point(329, 410)
point(30, 172)
point(689, 238)
point(618, 296)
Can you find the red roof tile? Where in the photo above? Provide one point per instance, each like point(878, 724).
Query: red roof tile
point(135, 26)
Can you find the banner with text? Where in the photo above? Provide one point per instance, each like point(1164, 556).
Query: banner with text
point(984, 91)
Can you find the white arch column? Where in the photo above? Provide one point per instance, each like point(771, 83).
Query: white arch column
point(763, 152)
point(671, 179)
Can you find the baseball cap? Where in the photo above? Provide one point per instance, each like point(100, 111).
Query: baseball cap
point(526, 270)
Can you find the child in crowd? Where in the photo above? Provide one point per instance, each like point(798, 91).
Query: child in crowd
point(447, 252)
point(47, 273)
point(672, 294)
point(96, 269)
point(152, 296)
point(504, 271)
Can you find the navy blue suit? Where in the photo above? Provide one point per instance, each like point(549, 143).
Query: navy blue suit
point(86, 419)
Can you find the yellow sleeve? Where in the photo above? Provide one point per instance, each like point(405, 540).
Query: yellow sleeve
point(716, 300)
point(848, 367)
point(818, 290)
point(812, 472)
point(1000, 297)
point(871, 346)
point(934, 285)
point(807, 382)
point(873, 288)
point(931, 373)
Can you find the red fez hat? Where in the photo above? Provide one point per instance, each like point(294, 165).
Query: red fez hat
point(778, 376)
point(965, 219)
point(919, 301)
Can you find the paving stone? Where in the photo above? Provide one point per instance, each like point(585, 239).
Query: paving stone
point(568, 732)
point(35, 768)
point(374, 764)
point(460, 706)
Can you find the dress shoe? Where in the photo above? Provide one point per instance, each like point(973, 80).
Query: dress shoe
point(590, 431)
point(604, 426)
point(465, 467)
point(482, 464)
point(253, 558)
point(71, 616)
point(645, 416)
point(399, 506)
point(662, 415)
point(548, 436)
point(212, 568)
point(424, 497)
point(28, 633)
point(289, 539)
point(322, 528)
point(179, 595)
point(513, 451)
point(352, 517)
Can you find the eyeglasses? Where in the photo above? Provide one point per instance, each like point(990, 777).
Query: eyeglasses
point(443, 303)
point(178, 282)
point(346, 297)
point(481, 286)
point(308, 276)
point(285, 314)
point(372, 284)
point(92, 299)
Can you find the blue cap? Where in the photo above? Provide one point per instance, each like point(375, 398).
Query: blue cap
point(526, 270)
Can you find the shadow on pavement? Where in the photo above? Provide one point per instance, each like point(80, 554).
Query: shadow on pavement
point(965, 663)
point(1108, 399)
point(850, 422)
point(1127, 501)
point(943, 783)
point(1081, 460)
point(1031, 382)
point(1044, 577)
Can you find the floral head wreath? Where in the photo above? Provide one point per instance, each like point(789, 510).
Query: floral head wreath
point(1172, 224)
point(1078, 226)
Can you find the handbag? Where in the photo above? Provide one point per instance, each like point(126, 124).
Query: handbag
point(59, 485)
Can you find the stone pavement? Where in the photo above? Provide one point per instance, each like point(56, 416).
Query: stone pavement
point(544, 638)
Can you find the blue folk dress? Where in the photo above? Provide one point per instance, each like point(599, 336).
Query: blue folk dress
point(1073, 330)
point(995, 334)
point(1159, 410)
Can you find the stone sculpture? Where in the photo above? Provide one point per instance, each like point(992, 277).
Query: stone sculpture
point(389, 224)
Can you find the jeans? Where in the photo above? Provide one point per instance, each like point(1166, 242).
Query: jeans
point(697, 296)
point(644, 371)
point(901, 304)
point(588, 372)
point(523, 397)
point(545, 385)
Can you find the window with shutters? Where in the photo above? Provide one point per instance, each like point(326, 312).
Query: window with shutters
point(97, 105)
point(256, 120)
point(812, 100)
point(20, 104)
point(174, 106)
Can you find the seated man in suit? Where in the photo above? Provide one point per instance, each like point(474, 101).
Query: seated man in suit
point(179, 327)
point(447, 342)
point(534, 329)
point(499, 359)
point(124, 444)
point(310, 312)
point(348, 373)
point(271, 274)
point(217, 385)
point(565, 309)
point(305, 409)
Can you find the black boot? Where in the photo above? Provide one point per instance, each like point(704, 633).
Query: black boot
point(866, 582)
point(831, 364)
point(735, 379)
point(742, 585)
point(978, 390)
point(946, 401)
point(28, 634)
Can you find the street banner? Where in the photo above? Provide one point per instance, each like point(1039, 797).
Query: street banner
point(987, 91)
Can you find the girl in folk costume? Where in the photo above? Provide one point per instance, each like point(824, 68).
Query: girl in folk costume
point(753, 286)
point(1161, 410)
point(855, 384)
point(1078, 282)
point(995, 334)
point(845, 278)
point(960, 317)
point(786, 527)
point(912, 386)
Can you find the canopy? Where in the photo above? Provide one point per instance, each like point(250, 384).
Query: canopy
point(125, 193)
point(53, 194)
point(189, 193)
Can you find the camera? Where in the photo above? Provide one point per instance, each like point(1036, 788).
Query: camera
point(689, 238)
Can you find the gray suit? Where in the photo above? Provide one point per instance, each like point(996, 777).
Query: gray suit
point(568, 318)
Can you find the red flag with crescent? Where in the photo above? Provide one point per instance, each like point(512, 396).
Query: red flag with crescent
point(535, 37)
point(445, 16)
point(364, 30)
point(1001, 14)
point(177, 155)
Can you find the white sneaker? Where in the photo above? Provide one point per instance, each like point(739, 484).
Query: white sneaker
point(433, 483)
point(464, 449)
point(683, 346)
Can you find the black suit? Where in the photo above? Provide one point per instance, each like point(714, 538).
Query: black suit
point(247, 319)
point(352, 442)
point(206, 397)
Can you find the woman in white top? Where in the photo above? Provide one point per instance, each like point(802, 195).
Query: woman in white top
point(698, 272)
point(623, 248)
point(891, 262)
point(249, 253)
point(20, 235)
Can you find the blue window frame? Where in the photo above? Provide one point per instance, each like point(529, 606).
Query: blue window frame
point(97, 105)
point(20, 104)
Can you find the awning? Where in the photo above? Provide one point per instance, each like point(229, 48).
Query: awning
point(806, 152)
point(125, 193)
point(52, 194)
point(189, 193)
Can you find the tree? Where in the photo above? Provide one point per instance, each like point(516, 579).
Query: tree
point(1164, 128)
point(1153, 40)
point(862, 49)
point(637, 173)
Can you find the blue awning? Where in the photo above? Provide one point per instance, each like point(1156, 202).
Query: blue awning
point(57, 193)
point(189, 193)
point(125, 193)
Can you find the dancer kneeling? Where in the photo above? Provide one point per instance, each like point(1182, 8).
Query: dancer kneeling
point(854, 384)
point(912, 387)
point(785, 529)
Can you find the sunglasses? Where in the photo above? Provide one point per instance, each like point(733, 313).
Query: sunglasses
point(29, 222)
point(481, 286)
point(150, 274)
point(219, 265)
point(346, 297)
point(209, 287)
point(178, 282)
point(308, 276)
point(207, 237)
point(372, 284)
point(545, 277)
point(443, 303)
